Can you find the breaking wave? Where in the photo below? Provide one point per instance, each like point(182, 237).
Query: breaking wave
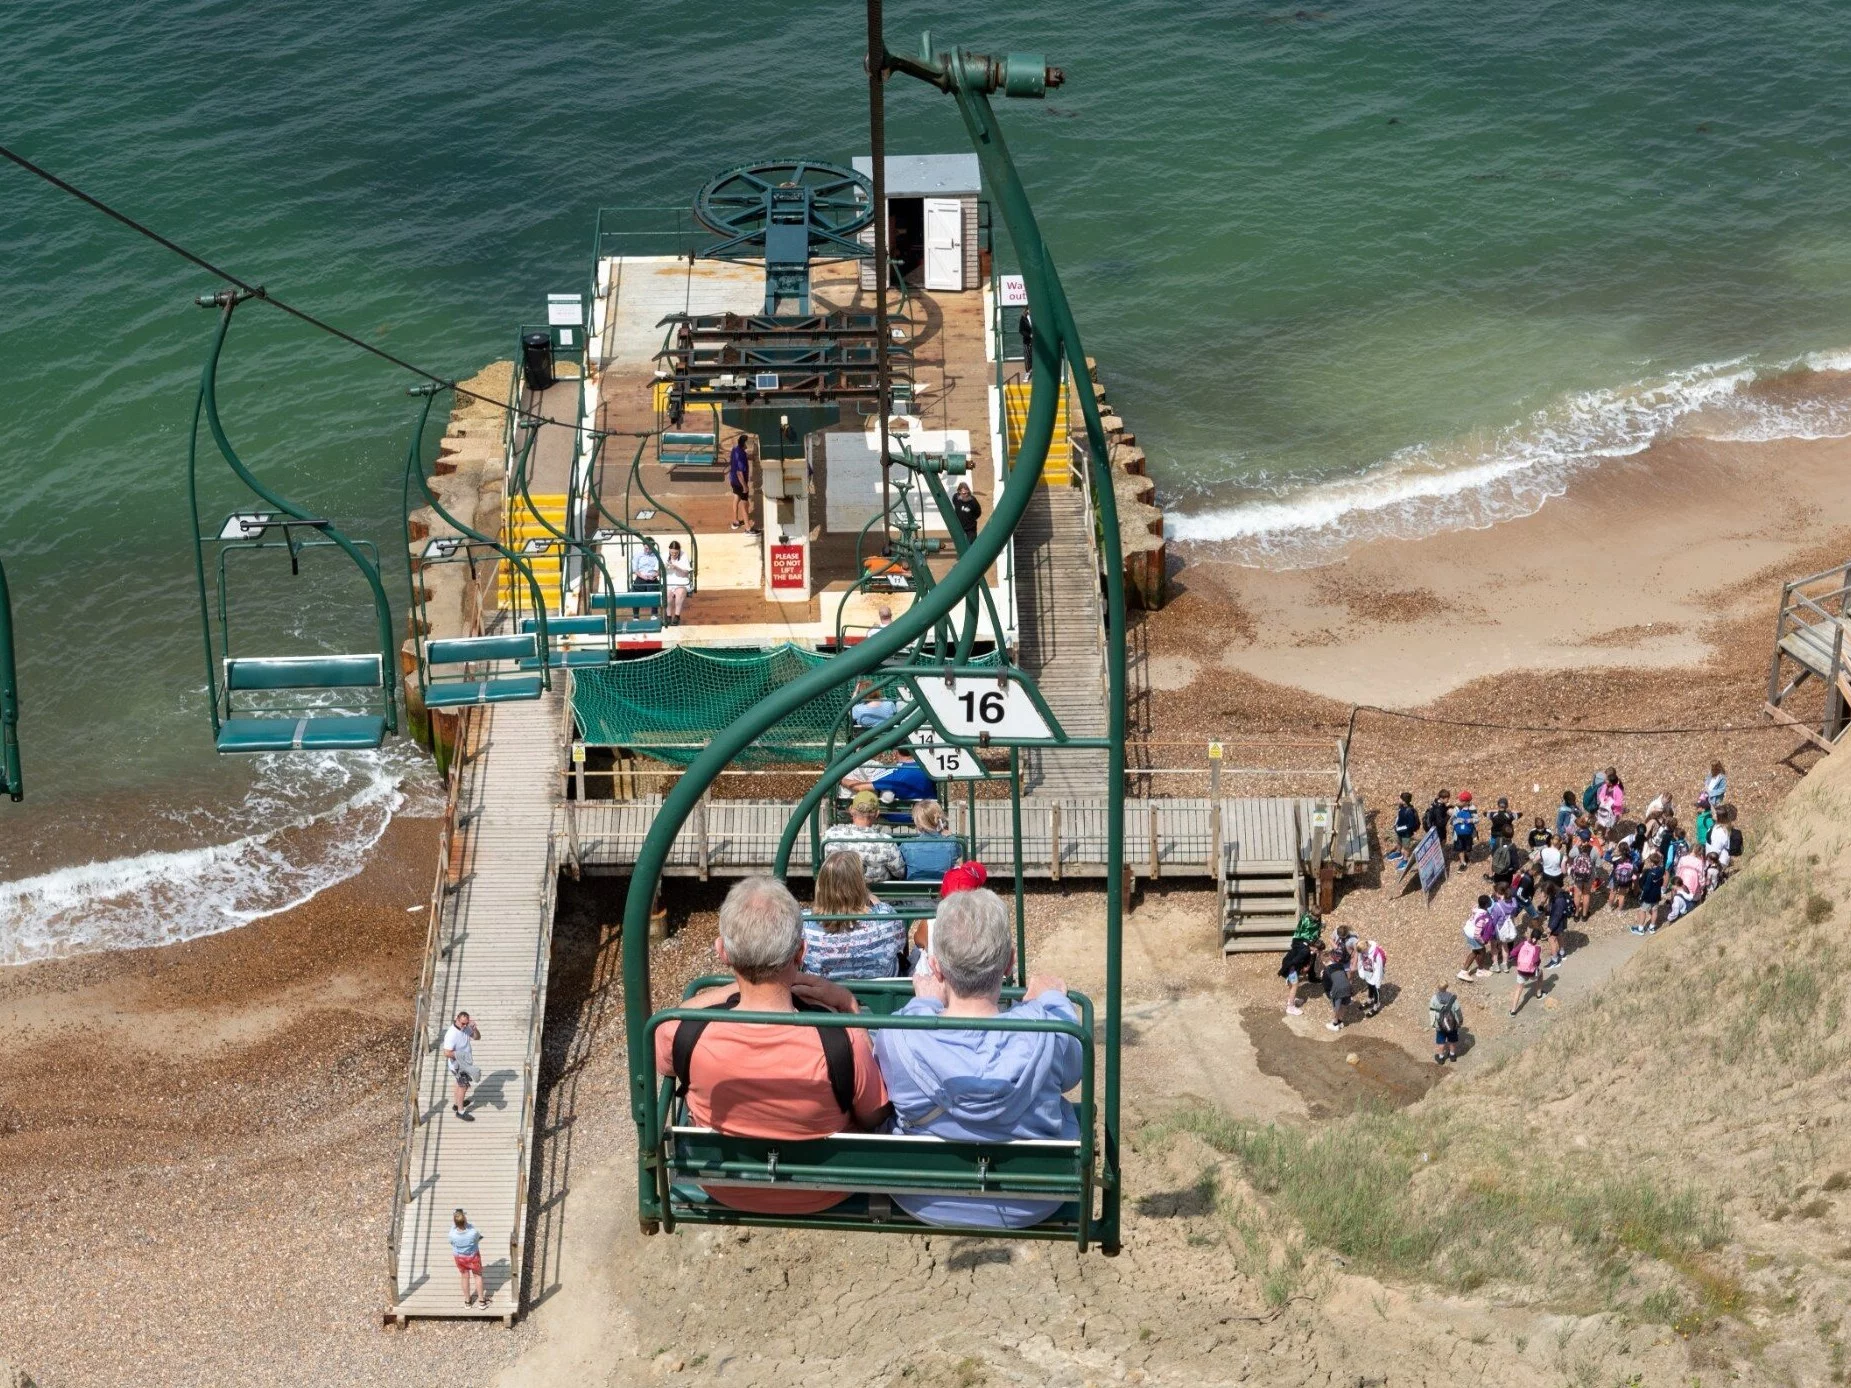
point(1476, 482)
point(324, 814)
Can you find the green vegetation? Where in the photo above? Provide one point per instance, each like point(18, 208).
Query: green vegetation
point(1425, 1196)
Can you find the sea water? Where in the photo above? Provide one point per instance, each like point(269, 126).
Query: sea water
point(1351, 270)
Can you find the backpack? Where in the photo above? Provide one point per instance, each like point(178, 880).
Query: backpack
point(1444, 1016)
point(838, 1053)
point(1581, 867)
point(1590, 798)
point(1504, 857)
point(1622, 873)
point(1735, 841)
point(1507, 928)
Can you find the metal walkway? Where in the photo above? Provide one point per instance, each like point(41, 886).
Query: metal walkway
point(1062, 644)
point(490, 939)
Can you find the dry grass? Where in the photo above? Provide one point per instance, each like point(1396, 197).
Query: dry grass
point(1430, 1195)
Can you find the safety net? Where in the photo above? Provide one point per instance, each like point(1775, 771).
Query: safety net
point(670, 705)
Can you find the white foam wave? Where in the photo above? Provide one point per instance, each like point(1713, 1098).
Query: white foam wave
point(1476, 482)
point(161, 898)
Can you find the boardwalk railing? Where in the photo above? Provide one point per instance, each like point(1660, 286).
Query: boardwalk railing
point(420, 1031)
point(1808, 633)
point(530, 1070)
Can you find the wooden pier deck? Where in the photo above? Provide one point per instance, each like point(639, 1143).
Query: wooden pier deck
point(1061, 836)
point(490, 946)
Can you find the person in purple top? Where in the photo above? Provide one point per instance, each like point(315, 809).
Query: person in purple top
point(739, 481)
point(979, 1086)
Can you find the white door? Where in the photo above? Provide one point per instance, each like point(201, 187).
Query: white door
point(944, 243)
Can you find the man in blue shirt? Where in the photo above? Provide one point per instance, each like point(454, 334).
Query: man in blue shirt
point(979, 1086)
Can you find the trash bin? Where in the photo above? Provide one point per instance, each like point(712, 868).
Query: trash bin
point(537, 361)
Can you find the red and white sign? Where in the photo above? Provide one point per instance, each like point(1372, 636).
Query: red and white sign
point(1012, 291)
point(787, 568)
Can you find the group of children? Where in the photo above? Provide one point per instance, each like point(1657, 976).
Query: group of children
point(1338, 967)
point(1654, 863)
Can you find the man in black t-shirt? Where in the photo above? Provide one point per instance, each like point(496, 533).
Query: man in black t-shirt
point(1299, 964)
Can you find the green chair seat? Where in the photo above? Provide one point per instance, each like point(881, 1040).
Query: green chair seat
point(503, 690)
point(885, 1163)
point(692, 1205)
point(359, 732)
point(460, 650)
point(595, 658)
point(604, 602)
point(590, 625)
point(304, 672)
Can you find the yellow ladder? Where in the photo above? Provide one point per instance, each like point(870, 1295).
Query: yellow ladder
point(1058, 469)
point(521, 526)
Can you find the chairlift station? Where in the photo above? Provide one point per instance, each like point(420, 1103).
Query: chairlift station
point(605, 645)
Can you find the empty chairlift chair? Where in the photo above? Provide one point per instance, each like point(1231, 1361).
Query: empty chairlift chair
point(284, 702)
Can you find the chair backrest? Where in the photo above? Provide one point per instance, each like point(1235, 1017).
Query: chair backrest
point(304, 672)
point(459, 650)
point(929, 857)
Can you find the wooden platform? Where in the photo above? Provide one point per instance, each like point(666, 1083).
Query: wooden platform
point(1061, 836)
point(492, 942)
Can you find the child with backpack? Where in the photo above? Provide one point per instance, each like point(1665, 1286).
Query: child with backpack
point(1581, 879)
point(1479, 929)
point(1504, 912)
point(1465, 829)
point(1651, 892)
point(1372, 968)
point(1560, 908)
point(1526, 958)
point(1447, 1016)
point(1620, 876)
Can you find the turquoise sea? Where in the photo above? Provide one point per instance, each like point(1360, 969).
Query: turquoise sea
point(1354, 270)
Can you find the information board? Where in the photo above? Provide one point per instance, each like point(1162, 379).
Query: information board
point(1430, 861)
point(787, 566)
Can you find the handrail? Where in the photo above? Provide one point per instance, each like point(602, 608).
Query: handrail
point(523, 477)
point(414, 468)
point(530, 1069)
point(420, 1031)
point(636, 480)
point(206, 403)
point(12, 780)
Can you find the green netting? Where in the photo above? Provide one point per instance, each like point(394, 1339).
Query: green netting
point(671, 705)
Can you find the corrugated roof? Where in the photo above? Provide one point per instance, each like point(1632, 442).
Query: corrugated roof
point(926, 175)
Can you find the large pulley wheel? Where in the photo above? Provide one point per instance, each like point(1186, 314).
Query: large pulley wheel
point(834, 204)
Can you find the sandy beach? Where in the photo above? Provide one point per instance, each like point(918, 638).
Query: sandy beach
point(197, 1143)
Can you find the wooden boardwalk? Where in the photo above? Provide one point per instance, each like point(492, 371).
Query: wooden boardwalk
point(1062, 646)
point(490, 945)
point(1062, 836)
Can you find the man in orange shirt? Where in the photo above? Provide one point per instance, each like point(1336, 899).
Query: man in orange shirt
point(764, 1080)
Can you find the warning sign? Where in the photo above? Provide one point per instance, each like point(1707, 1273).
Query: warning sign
point(787, 567)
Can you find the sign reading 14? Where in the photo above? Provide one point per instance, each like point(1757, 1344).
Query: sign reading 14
point(969, 706)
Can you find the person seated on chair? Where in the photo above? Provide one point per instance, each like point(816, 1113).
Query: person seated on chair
point(889, 782)
point(979, 1086)
point(680, 579)
point(872, 947)
point(871, 707)
point(932, 852)
point(645, 570)
point(864, 836)
point(788, 1082)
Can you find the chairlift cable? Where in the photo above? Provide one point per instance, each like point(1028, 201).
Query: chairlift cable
point(257, 291)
